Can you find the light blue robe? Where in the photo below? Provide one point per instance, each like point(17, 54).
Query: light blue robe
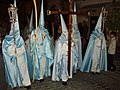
point(16, 70)
point(15, 58)
point(94, 48)
point(28, 48)
point(60, 66)
point(76, 52)
point(41, 49)
point(47, 50)
point(77, 48)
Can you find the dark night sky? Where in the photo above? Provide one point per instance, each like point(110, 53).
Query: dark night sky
point(22, 5)
point(24, 11)
point(11, 1)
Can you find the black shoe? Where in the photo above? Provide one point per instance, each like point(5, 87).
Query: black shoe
point(41, 80)
point(74, 73)
point(28, 87)
point(98, 73)
point(14, 88)
point(64, 83)
point(112, 67)
point(93, 73)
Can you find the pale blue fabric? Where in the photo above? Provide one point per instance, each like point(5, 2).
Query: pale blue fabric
point(11, 69)
point(37, 53)
point(47, 43)
point(60, 62)
point(60, 57)
point(35, 56)
point(14, 77)
point(41, 18)
point(60, 66)
point(77, 48)
point(28, 48)
point(87, 62)
point(12, 72)
point(31, 27)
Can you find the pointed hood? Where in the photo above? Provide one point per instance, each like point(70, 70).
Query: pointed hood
point(97, 31)
point(94, 42)
point(64, 34)
point(16, 25)
point(75, 17)
point(98, 26)
point(41, 18)
point(17, 21)
point(75, 32)
point(63, 25)
point(15, 3)
point(31, 22)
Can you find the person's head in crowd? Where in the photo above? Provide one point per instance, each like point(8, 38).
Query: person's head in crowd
point(84, 23)
point(113, 34)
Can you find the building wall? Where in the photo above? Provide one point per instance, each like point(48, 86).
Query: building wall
point(89, 2)
point(53, 2)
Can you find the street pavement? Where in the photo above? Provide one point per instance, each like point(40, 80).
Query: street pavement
point(81, 81)
point(3, 85)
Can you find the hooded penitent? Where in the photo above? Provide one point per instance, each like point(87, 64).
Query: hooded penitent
point(60, 66)
point(47, 41)
point(95, 58)
point(31, 27)
point(60, 69)
point(28, 48)
point(41, 50)
point(15, 58)
point(76, 46)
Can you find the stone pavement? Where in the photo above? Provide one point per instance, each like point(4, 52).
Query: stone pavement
point(3, 85)
point(81, 81)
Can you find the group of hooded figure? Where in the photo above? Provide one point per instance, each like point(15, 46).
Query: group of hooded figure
point(32, 61)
